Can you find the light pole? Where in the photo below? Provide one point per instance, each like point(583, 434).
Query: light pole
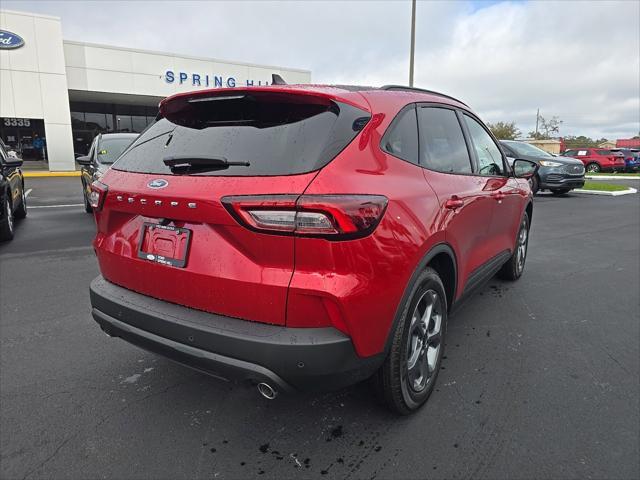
point(413, 41)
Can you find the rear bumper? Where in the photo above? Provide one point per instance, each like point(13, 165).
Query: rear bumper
point(290, 359)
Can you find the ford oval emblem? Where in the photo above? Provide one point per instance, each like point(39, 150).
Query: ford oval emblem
point(10, 40)
point(157, 183)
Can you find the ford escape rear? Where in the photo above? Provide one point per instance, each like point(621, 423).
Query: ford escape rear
point(306, 237)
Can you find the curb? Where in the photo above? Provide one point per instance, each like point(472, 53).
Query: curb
point(36, 174)
point(610, 194)
point(611, 177)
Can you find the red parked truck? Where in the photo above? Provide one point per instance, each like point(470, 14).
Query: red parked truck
point(306, 237)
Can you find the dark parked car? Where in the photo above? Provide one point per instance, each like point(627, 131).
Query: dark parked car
point(555, 173)
point(631, 158)
point(105, 149)
point(306, 237)
point(13, 200)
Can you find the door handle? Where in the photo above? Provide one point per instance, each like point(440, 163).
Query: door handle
point(453, 203)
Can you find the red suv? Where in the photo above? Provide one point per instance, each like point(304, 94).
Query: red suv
point(306, 237)
point(598, 159)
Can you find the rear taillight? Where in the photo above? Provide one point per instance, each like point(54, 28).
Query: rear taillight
point(335, 217)
point(97, 195)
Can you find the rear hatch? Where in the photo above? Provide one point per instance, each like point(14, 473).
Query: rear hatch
point(163, 229)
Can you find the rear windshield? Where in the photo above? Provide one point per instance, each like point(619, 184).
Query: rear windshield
point(275, 134)
point(109, 149)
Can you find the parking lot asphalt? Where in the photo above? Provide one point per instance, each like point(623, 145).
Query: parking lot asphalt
point(541, 378)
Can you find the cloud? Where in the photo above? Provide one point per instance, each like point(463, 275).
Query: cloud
point(579, 61)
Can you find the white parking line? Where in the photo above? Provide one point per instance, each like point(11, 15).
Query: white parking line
point(26, 194)
point(57, 206)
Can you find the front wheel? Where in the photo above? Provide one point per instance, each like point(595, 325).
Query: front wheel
point(21, 211)
point(87, 205)
point(535, 184)
point(512, 270)
point(408, 375)
point(6, 224)
point(593, 168)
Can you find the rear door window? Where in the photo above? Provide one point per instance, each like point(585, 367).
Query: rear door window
point(442, 145)
point(275, 133)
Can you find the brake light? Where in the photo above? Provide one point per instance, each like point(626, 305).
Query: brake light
point(98, 195)
point(335, 217)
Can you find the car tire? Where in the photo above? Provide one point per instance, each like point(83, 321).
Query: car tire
point(593, 167)
point(535, 184)
point(560, 191)
point(513, 268)
point(21, 211)
point(87, 205)
point(6, 225)
point(418, 341)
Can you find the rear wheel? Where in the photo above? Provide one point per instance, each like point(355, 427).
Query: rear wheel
point(512, 270)
point(407, 377)
point(21, 211)
point(560, 191)
point(6, 225)
point(593, 168)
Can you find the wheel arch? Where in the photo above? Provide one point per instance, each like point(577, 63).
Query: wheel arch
point(442, 258)
point(529, 210)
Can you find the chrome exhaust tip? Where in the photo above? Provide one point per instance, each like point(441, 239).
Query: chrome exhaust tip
point(267, 391)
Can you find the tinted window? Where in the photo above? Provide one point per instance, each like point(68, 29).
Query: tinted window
point(525, 149)
point(603, 152)
point(110, 148)
point(277, 134)
point(442, 142)
point(488, 153)
point(401, 140)
point(570, 153)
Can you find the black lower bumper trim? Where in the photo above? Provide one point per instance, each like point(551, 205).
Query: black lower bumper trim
point(306, 359)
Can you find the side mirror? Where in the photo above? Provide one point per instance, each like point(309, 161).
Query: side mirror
point(524, 168)
point(13, 162)
point(84, 160)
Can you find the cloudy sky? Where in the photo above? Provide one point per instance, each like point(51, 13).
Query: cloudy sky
point(579, 61)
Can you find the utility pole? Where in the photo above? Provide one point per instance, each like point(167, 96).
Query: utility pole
point(537, 120)
point(413, 41)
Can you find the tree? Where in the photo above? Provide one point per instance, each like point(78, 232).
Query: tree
point(504, 130)
point(572, 141)
point(546, 128)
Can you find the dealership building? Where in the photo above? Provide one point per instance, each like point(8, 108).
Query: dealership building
point(56, 95)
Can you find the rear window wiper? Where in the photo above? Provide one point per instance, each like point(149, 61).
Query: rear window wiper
point(198, 163)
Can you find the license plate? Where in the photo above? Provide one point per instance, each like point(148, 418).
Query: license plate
point(164, 244)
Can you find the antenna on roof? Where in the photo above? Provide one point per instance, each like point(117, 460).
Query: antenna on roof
point(277, 79)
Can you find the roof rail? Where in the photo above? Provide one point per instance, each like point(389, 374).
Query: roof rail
point(414, 89)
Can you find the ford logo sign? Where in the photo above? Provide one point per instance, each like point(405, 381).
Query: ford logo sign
point(157, 183)
point(10, 40)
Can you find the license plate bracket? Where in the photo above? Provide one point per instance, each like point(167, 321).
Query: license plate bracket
point(164, 244)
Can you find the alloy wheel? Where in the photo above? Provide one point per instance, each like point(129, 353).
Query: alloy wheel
point(521, 252)
point(423, 341)
point(9, 215)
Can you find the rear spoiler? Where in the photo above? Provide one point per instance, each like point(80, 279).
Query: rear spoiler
point(178, 101)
